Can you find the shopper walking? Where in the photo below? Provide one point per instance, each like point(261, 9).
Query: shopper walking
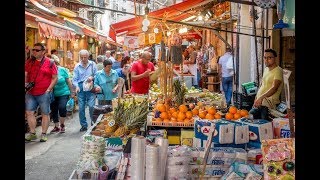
point(268, 95)
point(40, 78)
point(124, 72)
point(140, 74)
point(62, 91)
point(226, 75)
point(100, 60)
point(84, 71)
point(117, 63)
point(106, 83)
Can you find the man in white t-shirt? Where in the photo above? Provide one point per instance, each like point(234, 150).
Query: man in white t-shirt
point(226, 75)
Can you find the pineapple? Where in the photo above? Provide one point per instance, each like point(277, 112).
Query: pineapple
point(180, 92)
point(133, 117)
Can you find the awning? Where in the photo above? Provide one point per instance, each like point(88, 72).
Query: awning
point(105, 38)
point(51, 29)
point(43, 8)
point(87, 30)
point(176, 12)
point(76, 28)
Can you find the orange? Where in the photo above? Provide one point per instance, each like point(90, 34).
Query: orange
point(217, 116)
point(183, 108)
point(236, 116)
point(209, 116)
point(202, 114)
point(200, 104)
point(164, 115)
point(158, 120)
point(212, 110)
point(172, 110)
point(173, 119)
point(232, 109)
point(186, 120)
point(229, 116)
point(195, 111)
point(243, 112)
point(189, 114)
point(175, 114)
point(166, 120)
point(161, 108)
point(167, 107)
point(181, 116)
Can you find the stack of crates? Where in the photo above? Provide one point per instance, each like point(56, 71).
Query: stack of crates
point(243, 101)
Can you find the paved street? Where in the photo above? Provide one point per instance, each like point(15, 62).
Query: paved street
point(56, 158)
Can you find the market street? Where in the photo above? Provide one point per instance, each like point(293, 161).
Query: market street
point(56, 158)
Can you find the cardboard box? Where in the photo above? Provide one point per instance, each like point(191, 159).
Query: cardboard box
point(281, 128)
point(259, 129)
point(187, 137)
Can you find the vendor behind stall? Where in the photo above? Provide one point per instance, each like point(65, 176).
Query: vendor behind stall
point(140, 74)
point(192, 64)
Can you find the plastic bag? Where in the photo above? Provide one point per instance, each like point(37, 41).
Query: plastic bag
point(87, 86)
point(70, 104)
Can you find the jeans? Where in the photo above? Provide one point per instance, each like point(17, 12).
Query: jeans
point(85, 98)
point(227, 83)
point(59, 107)
point(44, 100)
point(261, 112)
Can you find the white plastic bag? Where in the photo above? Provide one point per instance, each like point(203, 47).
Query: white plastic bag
point(87, 86)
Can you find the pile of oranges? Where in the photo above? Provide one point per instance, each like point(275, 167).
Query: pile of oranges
point(234, 113)
point(172, 114)
point(184, 114)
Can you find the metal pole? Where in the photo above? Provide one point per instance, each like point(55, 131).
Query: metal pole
point(262, 49)
point(238, 50)
point(255, 43)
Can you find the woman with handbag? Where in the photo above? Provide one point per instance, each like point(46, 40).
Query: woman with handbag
point(106, 83)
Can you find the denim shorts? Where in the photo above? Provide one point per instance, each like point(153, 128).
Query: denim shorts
point(44, 100)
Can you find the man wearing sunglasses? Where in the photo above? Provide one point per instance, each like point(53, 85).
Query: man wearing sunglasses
point(40, 78)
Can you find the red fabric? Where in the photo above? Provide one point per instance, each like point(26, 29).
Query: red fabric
point(44, 77)
point(141, 86)
point(173, 12)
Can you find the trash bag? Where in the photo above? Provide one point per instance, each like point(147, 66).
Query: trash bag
point(70, 105)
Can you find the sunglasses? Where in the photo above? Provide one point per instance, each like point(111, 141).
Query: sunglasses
point(37, 50)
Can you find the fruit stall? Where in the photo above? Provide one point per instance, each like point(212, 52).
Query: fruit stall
point(176, 132)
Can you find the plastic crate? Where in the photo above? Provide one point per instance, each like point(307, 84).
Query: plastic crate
point(242, 101)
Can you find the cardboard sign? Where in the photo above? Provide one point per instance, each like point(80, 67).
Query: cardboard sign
point(278, 158)
point(131, 41)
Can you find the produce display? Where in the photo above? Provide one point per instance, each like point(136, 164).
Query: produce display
point(126, 119)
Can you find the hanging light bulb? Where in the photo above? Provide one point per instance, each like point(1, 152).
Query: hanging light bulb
point(144, 28)
point(146, 22)
point(168, 33)
point(155, 30)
